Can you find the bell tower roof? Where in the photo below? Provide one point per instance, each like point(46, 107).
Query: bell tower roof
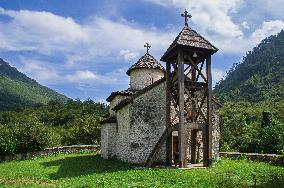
point(147, 61)
point(188, 38)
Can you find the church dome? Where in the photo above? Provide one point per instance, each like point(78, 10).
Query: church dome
point(145, 72)
point(147, 61)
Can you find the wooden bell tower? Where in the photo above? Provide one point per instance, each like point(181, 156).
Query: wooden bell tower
point(189, 91)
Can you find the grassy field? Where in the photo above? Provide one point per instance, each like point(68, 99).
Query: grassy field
point(90, 170)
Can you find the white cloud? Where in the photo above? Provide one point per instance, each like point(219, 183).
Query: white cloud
point(267, 29)
point(209, 16)
point(99, 38)
point(45, 73)
point(43, 32)
point(245, 25)
point(213, 19)
point(217, 75)
point(84, 76)
point(41, 71)
point(49, 34)
point(129, 55)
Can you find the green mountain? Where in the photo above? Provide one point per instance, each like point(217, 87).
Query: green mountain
point(252, 117)
point(259, 77)
point(18, 90)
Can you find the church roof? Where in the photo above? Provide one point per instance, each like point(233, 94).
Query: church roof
point(126, 92)
point(190, 38)
point(146, 61)
point(136, 94)
point(110, 119)
point(130, 98)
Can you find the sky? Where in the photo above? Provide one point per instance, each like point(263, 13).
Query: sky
point(82, 48)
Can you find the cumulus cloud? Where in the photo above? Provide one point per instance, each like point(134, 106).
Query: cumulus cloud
point(40, 70)
point(213, 19)
point(43, 32)
point(47, 33)
point(267, 28)
point(209, 16)
point(245, 25)
point(217, 75)
point(98, 38)
point(84, 76)
point(45, 73)
point(129, 55)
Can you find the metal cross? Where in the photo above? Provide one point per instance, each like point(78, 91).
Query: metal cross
point(186, 17)
point(148, 46)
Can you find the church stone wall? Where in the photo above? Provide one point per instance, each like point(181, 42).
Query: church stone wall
point(148, 123)
point(141, 123)
point(108, 140)
point(123, 129)
point(114, 102)
point(141, 78)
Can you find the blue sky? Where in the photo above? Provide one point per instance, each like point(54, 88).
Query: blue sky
point(83, 48)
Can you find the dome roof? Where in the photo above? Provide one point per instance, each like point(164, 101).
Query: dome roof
point(146, 61)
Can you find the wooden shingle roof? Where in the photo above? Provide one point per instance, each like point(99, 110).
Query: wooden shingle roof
point(190, 38)
point(146, 61)
point(126, 92)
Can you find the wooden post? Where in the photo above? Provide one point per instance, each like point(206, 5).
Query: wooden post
point(208, 129)
point(169, 141)
point(181, 127)
point(193, 146)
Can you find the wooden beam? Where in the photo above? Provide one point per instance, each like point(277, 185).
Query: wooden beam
point(208, 129)
point(181, 128)
point(169, 141)
point(195, 65)
point(201, 67)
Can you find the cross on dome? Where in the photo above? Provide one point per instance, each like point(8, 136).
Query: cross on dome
point(147, 46)
point(186, 16)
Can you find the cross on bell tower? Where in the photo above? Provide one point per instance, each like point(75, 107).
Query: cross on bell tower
point(147, 46)
point(186, 16)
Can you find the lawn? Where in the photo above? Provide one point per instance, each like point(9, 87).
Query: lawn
point(90, 170)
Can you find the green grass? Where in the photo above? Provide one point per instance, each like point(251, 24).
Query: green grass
point(90, 170)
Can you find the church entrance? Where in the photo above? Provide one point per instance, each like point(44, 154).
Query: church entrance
point(194, 153)
point(175, 149)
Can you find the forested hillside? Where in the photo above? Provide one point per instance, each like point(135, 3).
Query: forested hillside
point(17, 90)
point(53, 124)
point(260, 77)
point(252, 118)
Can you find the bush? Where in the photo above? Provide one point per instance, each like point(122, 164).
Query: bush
point(246, 127)
point(271, 135)
point(7, 141)
point(31, 135)
point(84, 130)
point(54, 137)
point(55, 124)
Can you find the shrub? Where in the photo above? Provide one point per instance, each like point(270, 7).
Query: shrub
point(84, 130)
point(7, 141)
point(31, 135)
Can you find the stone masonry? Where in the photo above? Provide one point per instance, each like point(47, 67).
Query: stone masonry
point(138, 118)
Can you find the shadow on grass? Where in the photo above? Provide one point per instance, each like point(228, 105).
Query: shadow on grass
point(273, 180)
point(84, 165)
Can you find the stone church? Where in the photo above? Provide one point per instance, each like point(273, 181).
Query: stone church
point(137, 115)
